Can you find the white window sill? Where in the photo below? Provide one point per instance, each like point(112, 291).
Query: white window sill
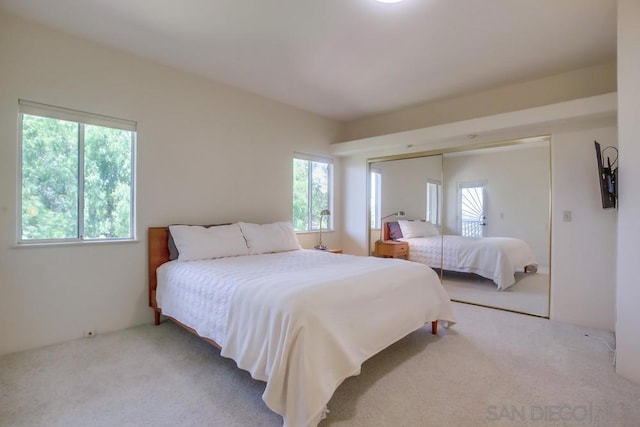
point(314, 231)
point(74, 243)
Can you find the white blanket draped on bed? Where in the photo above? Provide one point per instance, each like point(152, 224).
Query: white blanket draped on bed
point(496, 258)
point(305, 330)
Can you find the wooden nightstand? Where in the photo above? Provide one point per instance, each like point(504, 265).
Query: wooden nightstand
point(392, 249)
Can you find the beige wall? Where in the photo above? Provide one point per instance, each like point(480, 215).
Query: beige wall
point(206, 153)
point(628, 296)
point(583, 251)
point(576, 84)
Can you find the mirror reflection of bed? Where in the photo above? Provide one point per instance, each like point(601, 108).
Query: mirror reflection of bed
point(487, 194)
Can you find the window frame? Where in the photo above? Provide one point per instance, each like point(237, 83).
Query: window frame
point(438, 202)
point(328, 224)
point(81, 119)
point(375, 220)
point(467, 185)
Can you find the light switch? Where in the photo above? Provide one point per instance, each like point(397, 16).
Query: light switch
point(566, 216)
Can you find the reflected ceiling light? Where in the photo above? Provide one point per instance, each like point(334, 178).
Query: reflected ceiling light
point(389, 1)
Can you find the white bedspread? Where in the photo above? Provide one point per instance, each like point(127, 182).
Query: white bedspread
point(303, 321)
point(496, 258)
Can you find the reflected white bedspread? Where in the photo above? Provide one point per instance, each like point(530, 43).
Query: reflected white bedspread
point(496, 258)
point(303, 321)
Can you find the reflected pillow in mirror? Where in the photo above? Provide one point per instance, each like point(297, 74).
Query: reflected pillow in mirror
point(412, 229)
point(395, 232)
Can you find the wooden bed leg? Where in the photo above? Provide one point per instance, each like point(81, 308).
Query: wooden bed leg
point(434, 327)
point(156, 315)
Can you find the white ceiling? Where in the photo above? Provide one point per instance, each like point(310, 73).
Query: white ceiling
point(347, 59)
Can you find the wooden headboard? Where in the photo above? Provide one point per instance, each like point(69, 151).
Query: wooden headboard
point(158, 255)
point(386, 231)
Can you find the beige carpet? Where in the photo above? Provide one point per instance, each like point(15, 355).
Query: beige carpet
point(492, 368)
point(530, 293)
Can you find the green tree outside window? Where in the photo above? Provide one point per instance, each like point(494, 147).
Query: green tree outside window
point(311, 193)
point(76, 181)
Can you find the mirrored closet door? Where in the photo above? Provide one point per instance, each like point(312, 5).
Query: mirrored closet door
point(496, 214)
point(479, 217)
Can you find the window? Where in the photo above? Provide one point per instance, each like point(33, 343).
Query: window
point(76, 175)
point(434, 197)
point(312, 185)
point(376, 197)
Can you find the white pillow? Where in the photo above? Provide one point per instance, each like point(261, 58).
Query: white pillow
point(411, 229)
point(267, 238)
point(197, 242)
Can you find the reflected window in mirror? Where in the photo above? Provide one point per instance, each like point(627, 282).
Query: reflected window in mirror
point(434, 200)
point(471, 209)
point(376, 197)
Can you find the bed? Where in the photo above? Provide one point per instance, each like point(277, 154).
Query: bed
point(300, 320)
point(495, 258)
